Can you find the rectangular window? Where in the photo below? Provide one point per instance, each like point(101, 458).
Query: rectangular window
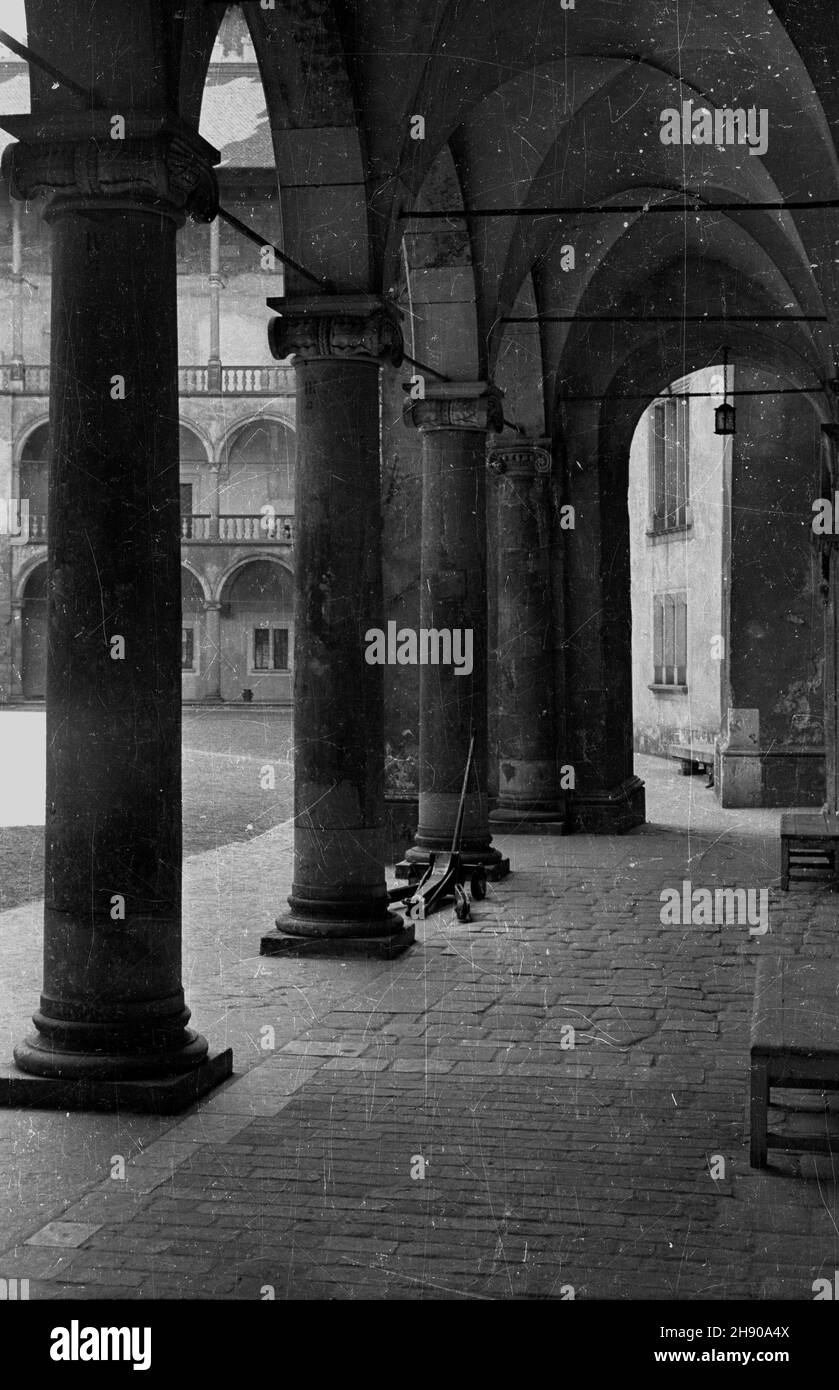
point(670, 639)
point(261, 642)
point(280, 649)
point(187, 649)
point(668, 468)
point(270, 649)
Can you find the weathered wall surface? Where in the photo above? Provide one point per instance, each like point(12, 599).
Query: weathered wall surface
point(774, 752)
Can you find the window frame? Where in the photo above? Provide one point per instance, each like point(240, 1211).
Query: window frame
point(668, 482)
point(670, 641)
point(272, 632)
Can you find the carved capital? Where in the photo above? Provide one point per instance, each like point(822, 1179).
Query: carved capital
point(521, 458)
point(457, 405)
point(159, 165)
point(349, 327)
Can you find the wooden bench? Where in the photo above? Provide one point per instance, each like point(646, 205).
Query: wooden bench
point(808, 846)
point(795, 1044)
point(693, 757)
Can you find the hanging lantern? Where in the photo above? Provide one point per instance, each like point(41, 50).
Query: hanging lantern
point(725, 416)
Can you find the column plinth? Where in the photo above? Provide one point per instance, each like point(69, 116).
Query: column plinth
point(111, 1028)
point(529, 796)
point(338, 900)
point(454, 419)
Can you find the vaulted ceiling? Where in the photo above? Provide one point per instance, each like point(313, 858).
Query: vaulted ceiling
point(529, 106)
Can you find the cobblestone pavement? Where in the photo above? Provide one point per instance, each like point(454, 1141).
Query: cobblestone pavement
point(549, 1169)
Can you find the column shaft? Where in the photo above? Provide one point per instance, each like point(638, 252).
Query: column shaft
point(529, 797)
point(212, 648)
point(453, 621)
point(17, 291)
point(112, 1008)
point(214, 362)
point(339, 896)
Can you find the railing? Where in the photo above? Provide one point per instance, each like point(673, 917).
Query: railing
point(197, 528)
point(27, 380)
point(202, 528)
point(236, 381)
point(256, 528)
point(232, 529)
point(32, 529)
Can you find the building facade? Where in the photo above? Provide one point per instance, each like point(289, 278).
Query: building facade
point(237, 432)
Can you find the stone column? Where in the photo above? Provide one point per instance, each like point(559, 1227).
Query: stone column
point(829, 587)
point(339, 898)
point(17, 370)
point(214, 500)
point(528, 783)
point(214, 362)
point(16, 641)
point(212, 647)
point(454, 419)
point(111, 1027)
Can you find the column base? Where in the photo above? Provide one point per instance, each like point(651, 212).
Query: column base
point(418, 859)
point(784, 775)
point(380, 938)
point(513, 822)
point(610, 812)
point(159, 1095)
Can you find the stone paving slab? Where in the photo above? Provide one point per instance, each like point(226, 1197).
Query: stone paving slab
point(419, 1128)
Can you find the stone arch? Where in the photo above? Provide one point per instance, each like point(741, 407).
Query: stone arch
point(33, 631)
point(32, 469)
point(259, 456)
point(594, 436)
point(203, 583)
point(194, 442)
point(195, 657)
point(256, 640)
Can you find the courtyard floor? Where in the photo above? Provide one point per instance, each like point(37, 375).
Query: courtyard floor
point(431, 1127)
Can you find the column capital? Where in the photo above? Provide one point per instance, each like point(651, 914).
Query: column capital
point(521, 458)
point(211, 605)
point(457, 405)
point(337, 327)
point(161, 165)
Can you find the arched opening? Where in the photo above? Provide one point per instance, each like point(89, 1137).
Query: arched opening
point(34, 479)
point(196, 504)
point(257, 633)
point(259, 473)
point(193, 635)
point(727, 619)
point(33, 658)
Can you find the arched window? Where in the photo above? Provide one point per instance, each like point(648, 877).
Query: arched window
point(34, 479)
point(258, 609)
point(33, 658)
point(195, 506)
point(192, 608)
